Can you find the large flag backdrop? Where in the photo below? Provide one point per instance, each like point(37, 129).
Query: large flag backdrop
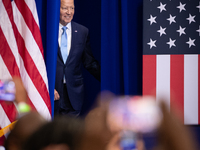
point(171, 48)
point(21, 54)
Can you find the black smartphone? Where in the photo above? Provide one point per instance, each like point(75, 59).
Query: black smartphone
point(7, 90)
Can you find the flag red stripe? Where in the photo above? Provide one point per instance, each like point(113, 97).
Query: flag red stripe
point(29, 64)
point(9, 60)
point(8, 56)
point(10, 110)
point(149, 75)
point(6, 52)
point(177, 84)
point(30, 21)
point(12, 67)
point(32, 69)
point(198, 89)
point(28, 61)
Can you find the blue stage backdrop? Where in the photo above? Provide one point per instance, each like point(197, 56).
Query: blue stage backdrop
point(88, 13)
point(121, 46)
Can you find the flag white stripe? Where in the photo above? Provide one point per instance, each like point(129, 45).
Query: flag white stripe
point(163, 78)
point(33, 93)
point(32, 6)
point(4, 120)
point(191, 89)
point(30, 43)
point(6, 25)
point(31, 90)
point(4, 73)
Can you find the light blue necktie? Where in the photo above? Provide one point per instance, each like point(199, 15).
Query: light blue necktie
point(64, 44)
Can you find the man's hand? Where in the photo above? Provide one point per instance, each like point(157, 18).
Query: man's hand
point(56, 95)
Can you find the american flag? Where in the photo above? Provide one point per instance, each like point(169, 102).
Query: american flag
point(171, 48)
point(21, 54)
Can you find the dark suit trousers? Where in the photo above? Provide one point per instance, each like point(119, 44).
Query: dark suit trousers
point(68, 109)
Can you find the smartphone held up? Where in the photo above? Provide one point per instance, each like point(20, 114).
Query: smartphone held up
point(139, 114)
point(7, 90)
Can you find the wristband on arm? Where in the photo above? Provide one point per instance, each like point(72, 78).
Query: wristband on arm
point(23, 107)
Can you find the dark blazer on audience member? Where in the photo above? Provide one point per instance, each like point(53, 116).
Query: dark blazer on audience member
point(80, 53)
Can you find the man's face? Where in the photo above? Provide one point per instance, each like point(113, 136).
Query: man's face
point(66, 11)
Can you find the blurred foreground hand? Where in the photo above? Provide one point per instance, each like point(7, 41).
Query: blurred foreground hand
point(103, 135)
point(172, 134)
point(21, 94)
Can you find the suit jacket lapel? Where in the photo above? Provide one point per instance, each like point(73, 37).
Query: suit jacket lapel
point(72, 40)
point(59, 53)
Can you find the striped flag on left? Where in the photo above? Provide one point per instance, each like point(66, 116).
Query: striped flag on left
point(21, 54)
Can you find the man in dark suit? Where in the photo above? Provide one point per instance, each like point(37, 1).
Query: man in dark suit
point(73, 51)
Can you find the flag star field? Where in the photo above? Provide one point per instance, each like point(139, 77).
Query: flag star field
point(171, 27)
